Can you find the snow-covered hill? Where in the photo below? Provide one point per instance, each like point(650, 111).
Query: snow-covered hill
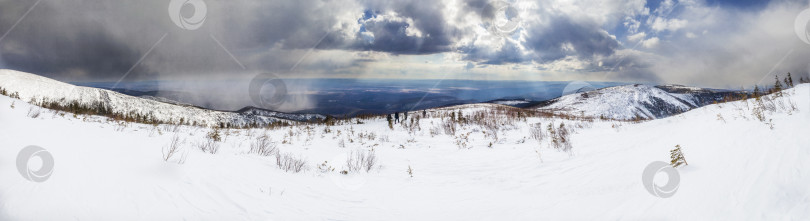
point(632, 102)
point(254, 111)
point(31, 86)
point(438, 168)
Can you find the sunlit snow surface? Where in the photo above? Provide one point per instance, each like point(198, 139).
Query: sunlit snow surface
point(739, 168)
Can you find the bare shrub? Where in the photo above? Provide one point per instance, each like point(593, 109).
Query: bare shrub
point(325, 167)
point(560, 137)
point(537, 132)
point(384, 139)
point(34, 112)
point(449, 126)
point(290, 163)
point(720, 118)
point(209, 146)
point(263, 146)
point(463, 141)
point(214, 135)
point(173, 148)
point(564, 138)
point(121, 125)
point(434, 131)
point(360, 160)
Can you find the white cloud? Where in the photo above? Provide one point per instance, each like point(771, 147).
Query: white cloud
point(690, 35)
point(637, 37)
point(661, 24)
point(651, 43)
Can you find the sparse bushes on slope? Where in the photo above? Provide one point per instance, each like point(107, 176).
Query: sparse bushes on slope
point(361, 160)
point(290, 163)
point(761, 106)
point(211, 143)
point(97, 108)
point(209, 146)
point(263, 146)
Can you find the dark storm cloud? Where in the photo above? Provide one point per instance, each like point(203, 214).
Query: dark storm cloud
point(390, 33)
point(564, 36)
point(101, 40)
point(82, 39)
point(631, 67)
point(506, 54)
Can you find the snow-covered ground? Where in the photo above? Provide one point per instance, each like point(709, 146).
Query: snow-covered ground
point(740, 168)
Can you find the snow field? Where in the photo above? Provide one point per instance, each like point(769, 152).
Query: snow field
point(739, 169)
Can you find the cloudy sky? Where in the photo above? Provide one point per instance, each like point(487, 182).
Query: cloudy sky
point(715, 43)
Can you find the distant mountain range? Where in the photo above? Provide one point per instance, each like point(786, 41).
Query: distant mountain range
point(618, 102)
point(346, 97)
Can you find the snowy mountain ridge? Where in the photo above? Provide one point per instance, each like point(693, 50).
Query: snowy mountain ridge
point(34, 87)
point(627, 102)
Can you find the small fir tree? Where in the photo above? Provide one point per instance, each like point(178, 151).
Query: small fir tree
point(777, 86)
point(677, 157)
point(789, 81)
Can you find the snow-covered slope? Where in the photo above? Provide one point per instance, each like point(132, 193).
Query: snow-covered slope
point(622, 103)
point(740, 168)
point(700, 96)
point(31, 86)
